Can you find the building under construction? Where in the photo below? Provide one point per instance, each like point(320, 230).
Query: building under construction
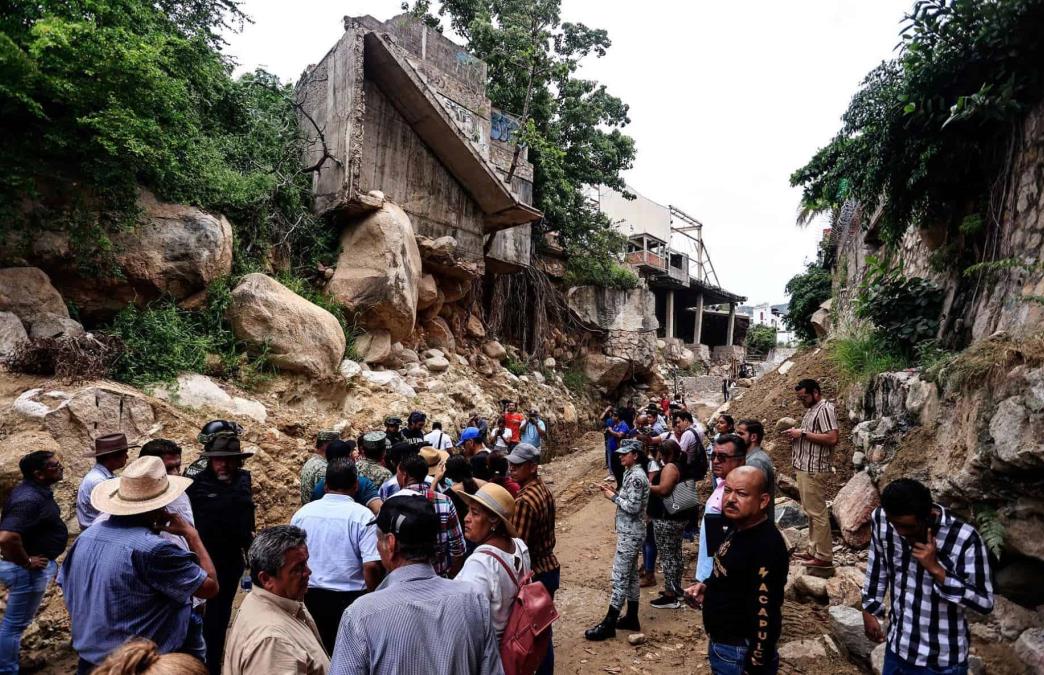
point(665, 247)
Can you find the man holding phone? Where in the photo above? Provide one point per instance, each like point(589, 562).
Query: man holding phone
point(936, 567)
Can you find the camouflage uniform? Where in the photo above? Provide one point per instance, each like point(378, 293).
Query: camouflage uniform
point(372, 470)
point(631, 501)
point(313, 470)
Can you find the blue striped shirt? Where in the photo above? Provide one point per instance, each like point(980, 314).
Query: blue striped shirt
point(120, 581)
point(417, 623)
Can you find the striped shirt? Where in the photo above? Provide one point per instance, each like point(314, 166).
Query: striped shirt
point(812, 457)
point(927, 627)
point(450, 542)
point(534, 521)
point(416, 623)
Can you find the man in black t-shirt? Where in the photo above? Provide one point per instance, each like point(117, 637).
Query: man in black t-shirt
point(742, 600)
point(32, 535)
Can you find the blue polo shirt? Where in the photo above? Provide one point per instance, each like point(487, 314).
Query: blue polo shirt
point(613, 441)
point(121, 581)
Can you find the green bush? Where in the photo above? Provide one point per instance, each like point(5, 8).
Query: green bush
point(761, 339)
point(160, 342)
point(514, 366)
point(606, 273)
point(807, 292)
point(575, 381)
point(863, 355)
point(905, 311)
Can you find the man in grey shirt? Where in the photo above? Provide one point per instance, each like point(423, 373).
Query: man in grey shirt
point(415, 622)
point(753, 432)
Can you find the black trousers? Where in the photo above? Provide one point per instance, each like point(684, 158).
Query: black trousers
point(219, 612)
point(326, 607)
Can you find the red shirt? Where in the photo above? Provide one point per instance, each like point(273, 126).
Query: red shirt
point(665, 404)
point(513, 421)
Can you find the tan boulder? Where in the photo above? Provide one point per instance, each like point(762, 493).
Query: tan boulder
point(374, 346)
point(852, 508)
point(495, 350)
point(438, 334)
point(474, 327)
point(606, 372)
point(27, 292)
point(12, 333)
point(379, 271)
point(298, 335)
point(455, 289)
point(49, 325)
point(427, 292)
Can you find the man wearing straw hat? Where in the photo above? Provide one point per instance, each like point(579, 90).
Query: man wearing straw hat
point(121, 579)
point(110, 455)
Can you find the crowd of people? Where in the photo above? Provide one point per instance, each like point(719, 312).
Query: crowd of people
point(409, 551)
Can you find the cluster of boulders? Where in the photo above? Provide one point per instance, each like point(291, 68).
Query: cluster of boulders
point(30, 306)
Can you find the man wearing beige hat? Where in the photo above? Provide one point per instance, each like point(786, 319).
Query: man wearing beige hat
point(110, 455)
point(121, 579)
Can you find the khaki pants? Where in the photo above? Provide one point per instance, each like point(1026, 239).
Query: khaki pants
point(811, 487)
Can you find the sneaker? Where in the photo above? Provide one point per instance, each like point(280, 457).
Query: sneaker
point(666, 602)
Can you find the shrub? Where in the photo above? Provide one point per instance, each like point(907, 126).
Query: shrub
point(761, 339)
point(863, 355)
point(607, 273)
point(514, 366)
point(905, 311)
point(160, 342)
point(807, 292)
point(69, 358)
point(575, 381)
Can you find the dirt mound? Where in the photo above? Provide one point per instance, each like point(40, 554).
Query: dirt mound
point(772, 397)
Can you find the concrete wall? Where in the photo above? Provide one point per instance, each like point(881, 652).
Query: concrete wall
point(641, 215)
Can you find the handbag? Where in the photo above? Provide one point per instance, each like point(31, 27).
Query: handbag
point(682, 498)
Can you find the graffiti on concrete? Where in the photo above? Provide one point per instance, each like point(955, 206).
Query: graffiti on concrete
point(502, 126)
point(467, 121)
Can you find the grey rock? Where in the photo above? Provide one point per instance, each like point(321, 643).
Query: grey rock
point(813, 588)
point(50, 325)
point(1030, 649)
point(437, 364)
point(789, 514)
point(12, 333)
point(846, 625)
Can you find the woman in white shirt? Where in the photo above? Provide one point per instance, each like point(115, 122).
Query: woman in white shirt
point(488, 524)
point(501, 436)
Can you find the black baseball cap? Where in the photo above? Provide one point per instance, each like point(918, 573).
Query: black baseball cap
point(410, 518)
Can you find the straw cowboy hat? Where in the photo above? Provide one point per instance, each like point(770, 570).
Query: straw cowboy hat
point(497, 500)
point(436, 459)
point(110, 443)
point(143, 487)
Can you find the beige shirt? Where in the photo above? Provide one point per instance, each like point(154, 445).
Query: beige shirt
point(275, 636)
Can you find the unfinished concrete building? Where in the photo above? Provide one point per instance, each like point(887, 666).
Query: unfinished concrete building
point(665, 247)
point(403, 111)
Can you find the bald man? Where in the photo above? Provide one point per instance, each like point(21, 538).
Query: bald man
point(742, 599)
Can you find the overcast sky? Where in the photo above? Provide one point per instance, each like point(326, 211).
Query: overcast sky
point(726, 100)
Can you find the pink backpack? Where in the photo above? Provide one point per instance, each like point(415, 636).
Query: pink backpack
point(527, 635)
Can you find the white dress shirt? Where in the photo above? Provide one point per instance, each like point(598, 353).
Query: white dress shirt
point(339, 541)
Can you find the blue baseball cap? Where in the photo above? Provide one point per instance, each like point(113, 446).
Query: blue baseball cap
point(469, 434)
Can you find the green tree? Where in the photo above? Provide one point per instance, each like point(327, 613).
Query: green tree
point(807, 292)
point(571, 126)
point(761, 339)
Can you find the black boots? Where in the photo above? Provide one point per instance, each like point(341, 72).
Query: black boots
point(606, 629)
point(630, 622)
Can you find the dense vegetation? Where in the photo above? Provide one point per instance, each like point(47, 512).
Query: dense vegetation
point(928, 137)
point(571, 126)
point(761, 339)
point(807, 292)
point(107, 95)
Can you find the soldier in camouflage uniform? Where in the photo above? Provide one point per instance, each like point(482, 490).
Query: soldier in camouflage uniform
point(630, 502)
point(315, 467)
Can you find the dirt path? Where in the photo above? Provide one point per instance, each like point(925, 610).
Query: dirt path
point(676, 641)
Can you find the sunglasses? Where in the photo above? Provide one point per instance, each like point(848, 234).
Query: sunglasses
point(721, 456)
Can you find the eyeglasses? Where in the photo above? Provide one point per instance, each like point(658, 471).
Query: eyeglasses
point(721, 457)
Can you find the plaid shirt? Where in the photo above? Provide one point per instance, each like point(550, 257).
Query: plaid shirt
point(812, 457)
point(535, 522)
point(927, 627)
point(450, 543)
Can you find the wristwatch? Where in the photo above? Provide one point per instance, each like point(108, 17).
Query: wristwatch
point(802, 432)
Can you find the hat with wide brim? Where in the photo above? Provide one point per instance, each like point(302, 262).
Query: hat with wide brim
point(229, 446)
point(110, 443)
point(143, 487)
point(497, 500)
point(434, 458)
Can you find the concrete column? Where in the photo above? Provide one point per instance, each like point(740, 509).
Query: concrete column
point(732, 324)
point(698, 329)
point(670, 313)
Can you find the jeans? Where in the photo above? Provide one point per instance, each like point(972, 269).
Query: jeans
point(649, 550)
point(551, 581)
point(893, 665)
point(730, 659)
point(25, 593)
point(194, 642)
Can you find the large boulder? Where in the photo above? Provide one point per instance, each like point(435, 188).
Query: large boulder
point(199, 392)
point(297, 335)
point(438, 334)
point(852, 508)
point(821, 320)
point(12, 333)
point(427, 292)
point(846, 625)
point(495, 350)
point(1030, 649)
point(27, 293)
point(605, 372)
point(175, 250)
point(379, 271)
point(49, 325)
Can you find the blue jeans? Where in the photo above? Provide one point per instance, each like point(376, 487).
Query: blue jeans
point(25, 592)
point(649, 549)
point(551, 580)
point(730, 659)
point(194, 643)
point(893, 665)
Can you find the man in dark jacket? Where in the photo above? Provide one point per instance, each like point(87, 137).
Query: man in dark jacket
point(223, 506)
